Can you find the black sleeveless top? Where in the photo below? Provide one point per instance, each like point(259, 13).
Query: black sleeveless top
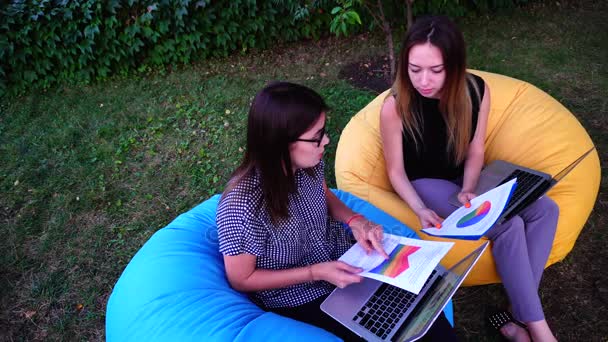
point(433, 159)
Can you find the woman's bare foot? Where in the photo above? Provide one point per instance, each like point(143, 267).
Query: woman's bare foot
point(540, 331)
point(515, 333)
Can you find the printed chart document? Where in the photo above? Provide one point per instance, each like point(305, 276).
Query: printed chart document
point(410, 262)
point(471, 223)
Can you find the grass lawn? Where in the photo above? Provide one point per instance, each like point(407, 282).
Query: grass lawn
point(89, 173)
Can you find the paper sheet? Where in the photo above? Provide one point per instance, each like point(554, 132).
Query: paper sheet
point(410, 264)
point(473, 222)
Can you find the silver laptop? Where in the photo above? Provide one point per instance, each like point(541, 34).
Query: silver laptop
point(377, 311)
point(531, 184)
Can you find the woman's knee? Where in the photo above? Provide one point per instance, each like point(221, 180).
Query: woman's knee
point(549, 207)
point(543, 207)
point(545, 211)
point(439, 187)
point(435, 193)
point(512, 230)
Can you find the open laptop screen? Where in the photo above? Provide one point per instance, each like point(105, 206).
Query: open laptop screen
point(436, 298)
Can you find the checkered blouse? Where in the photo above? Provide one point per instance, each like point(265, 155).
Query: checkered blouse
point(308, 236)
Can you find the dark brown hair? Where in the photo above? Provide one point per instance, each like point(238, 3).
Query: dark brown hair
point(455, 101)
point(280, 114)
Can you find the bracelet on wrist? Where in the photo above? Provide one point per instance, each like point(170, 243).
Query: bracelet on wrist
point(352, 218)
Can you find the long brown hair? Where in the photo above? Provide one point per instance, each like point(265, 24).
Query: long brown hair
point(455, 101)
point(279, 114)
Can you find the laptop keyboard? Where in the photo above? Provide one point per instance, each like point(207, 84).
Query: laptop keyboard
point(525, 182)
point(385, 308)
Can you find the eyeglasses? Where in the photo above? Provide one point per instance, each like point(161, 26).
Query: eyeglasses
point(318, 141)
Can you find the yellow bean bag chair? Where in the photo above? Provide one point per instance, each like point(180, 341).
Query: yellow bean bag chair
point(526, 126)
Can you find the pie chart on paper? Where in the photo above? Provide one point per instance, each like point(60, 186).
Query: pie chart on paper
point(474, 216)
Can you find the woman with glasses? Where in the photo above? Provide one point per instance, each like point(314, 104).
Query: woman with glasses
point(279, 225)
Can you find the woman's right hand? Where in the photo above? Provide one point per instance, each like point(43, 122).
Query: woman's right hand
point(336, 272)
point(429, 218)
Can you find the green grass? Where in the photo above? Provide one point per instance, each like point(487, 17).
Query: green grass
point(89, 173)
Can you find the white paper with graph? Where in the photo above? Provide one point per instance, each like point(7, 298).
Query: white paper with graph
point(471, 223)
point(410, 262)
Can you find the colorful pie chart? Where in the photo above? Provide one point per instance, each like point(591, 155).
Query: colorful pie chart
point(474, 216)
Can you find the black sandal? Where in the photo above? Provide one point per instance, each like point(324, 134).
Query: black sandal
point(500, 319)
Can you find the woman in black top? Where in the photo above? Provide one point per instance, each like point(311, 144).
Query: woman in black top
point(433, 128)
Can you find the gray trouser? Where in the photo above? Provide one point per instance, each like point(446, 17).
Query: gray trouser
point(520, 246)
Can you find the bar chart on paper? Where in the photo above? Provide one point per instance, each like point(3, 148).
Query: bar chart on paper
point(397, 263)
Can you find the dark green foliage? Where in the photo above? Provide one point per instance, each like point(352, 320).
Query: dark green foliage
point(395, 10)
point(463, 7)
point(44, 41)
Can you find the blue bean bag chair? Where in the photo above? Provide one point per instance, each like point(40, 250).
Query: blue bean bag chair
point(175, 288)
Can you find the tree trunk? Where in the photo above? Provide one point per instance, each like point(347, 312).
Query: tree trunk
point(386, 27)
point(410, 15)
point(391, 52)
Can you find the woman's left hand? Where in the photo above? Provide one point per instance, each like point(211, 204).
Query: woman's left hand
point(369, 235)
point(465, 198)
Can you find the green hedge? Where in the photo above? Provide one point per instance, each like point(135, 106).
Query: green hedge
point(43, 42)
point(457, 8)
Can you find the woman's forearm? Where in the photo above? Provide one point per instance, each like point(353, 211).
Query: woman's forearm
point(406, 191)
point(264, 279)
point(391, 132)
point(475, 155)
point(472, 169)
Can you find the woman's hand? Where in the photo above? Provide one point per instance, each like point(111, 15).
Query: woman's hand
point(465, 198)
point(369, 235)
point(429, 218)
point(336, 272)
